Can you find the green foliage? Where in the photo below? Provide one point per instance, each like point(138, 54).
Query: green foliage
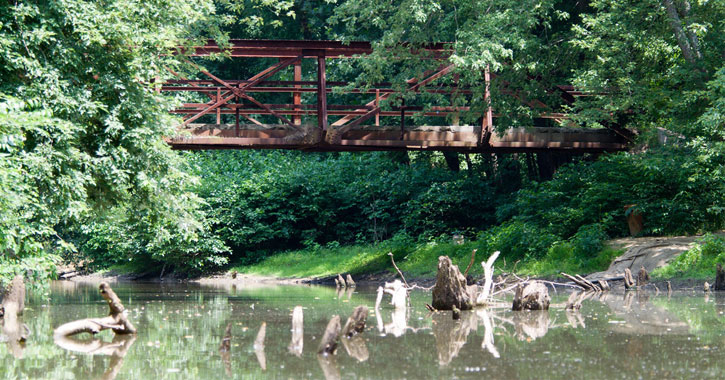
point(675, 192)
point(266, 201)
point(698, 262)
point(85, 141)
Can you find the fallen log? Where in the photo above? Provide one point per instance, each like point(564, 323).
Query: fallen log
point(450, 288)
point(533, 296)
point(581, 282)
point(328, 343)
point(115, 321)
point(356, 322)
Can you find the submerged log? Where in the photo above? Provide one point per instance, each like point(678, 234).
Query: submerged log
point(642, 277)
point(356, 322)
point(328, 343)
point(533, 296)
point(116, 320)
point(450, 288)
point(720, 277)
point(628, 279)
point(350, 282)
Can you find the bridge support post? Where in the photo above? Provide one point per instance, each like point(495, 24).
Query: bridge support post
point(321, 94)
point(297, 96)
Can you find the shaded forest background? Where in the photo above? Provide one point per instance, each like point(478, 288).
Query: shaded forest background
point(85, 176)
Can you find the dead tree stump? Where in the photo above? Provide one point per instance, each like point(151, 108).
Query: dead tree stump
point(14, 297)
point(13, 330)
point(350, 282)
point(356, 323)
point(341, 281)
point(116, 320)
point(450, 288)
point(328, 343)
point(642, 277)
point(533, 296)
point(719, 278)
point(628, 279)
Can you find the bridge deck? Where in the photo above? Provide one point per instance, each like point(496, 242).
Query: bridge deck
point(443, 138)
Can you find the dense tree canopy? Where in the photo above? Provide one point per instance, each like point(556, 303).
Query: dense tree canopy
point(86, 175)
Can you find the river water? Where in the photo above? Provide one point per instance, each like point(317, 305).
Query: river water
point(181, 327)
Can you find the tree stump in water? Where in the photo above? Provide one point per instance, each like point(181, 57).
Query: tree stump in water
point(328, 343)
point(356, 323)
point(297, 342)
point(533, 296)
point(628, 279)
point(116, 320)
point(350, 282)
point(450, 288)
point(642, 277)
point(719, 278)
point(14, 297)
point(341, 280)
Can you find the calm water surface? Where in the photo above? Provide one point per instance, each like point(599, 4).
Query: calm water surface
point(181, 327)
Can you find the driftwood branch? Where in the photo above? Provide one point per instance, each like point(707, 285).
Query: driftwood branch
point(116, 320)
point(392, 259)
point(470, 264)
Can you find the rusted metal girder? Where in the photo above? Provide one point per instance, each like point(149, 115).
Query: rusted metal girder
point(349, 132)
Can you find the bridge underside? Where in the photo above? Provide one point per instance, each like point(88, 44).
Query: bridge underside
point(370, 138)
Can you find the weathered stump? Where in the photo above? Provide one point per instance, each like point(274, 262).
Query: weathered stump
point(356, 323)
point(399, 293)
point(628, 279)
point(341, 280)
point(719, 278)
point(450, 288)
point(706, 287)
point(297, 342)
point(116, 320)
point(328, 343)
point(642, 277)
point(350, 282)
point(533, 296)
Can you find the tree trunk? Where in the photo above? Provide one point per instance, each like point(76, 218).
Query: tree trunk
point(453, 161)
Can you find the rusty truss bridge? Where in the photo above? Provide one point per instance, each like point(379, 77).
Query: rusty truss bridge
point(229, 115)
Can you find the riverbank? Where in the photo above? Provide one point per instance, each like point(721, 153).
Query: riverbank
point(371, 264)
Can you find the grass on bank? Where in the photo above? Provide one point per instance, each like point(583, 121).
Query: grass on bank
point(419, 260)
point(697, 263)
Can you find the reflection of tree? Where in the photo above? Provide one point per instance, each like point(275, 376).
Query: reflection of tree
point(116, 349)
point(531, 324)
point(451, 335)
point(225, 348)
point(355, 347)
point(328, 363)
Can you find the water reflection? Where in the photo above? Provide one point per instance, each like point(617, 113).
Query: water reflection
point(182, 326)
point(116, 349)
